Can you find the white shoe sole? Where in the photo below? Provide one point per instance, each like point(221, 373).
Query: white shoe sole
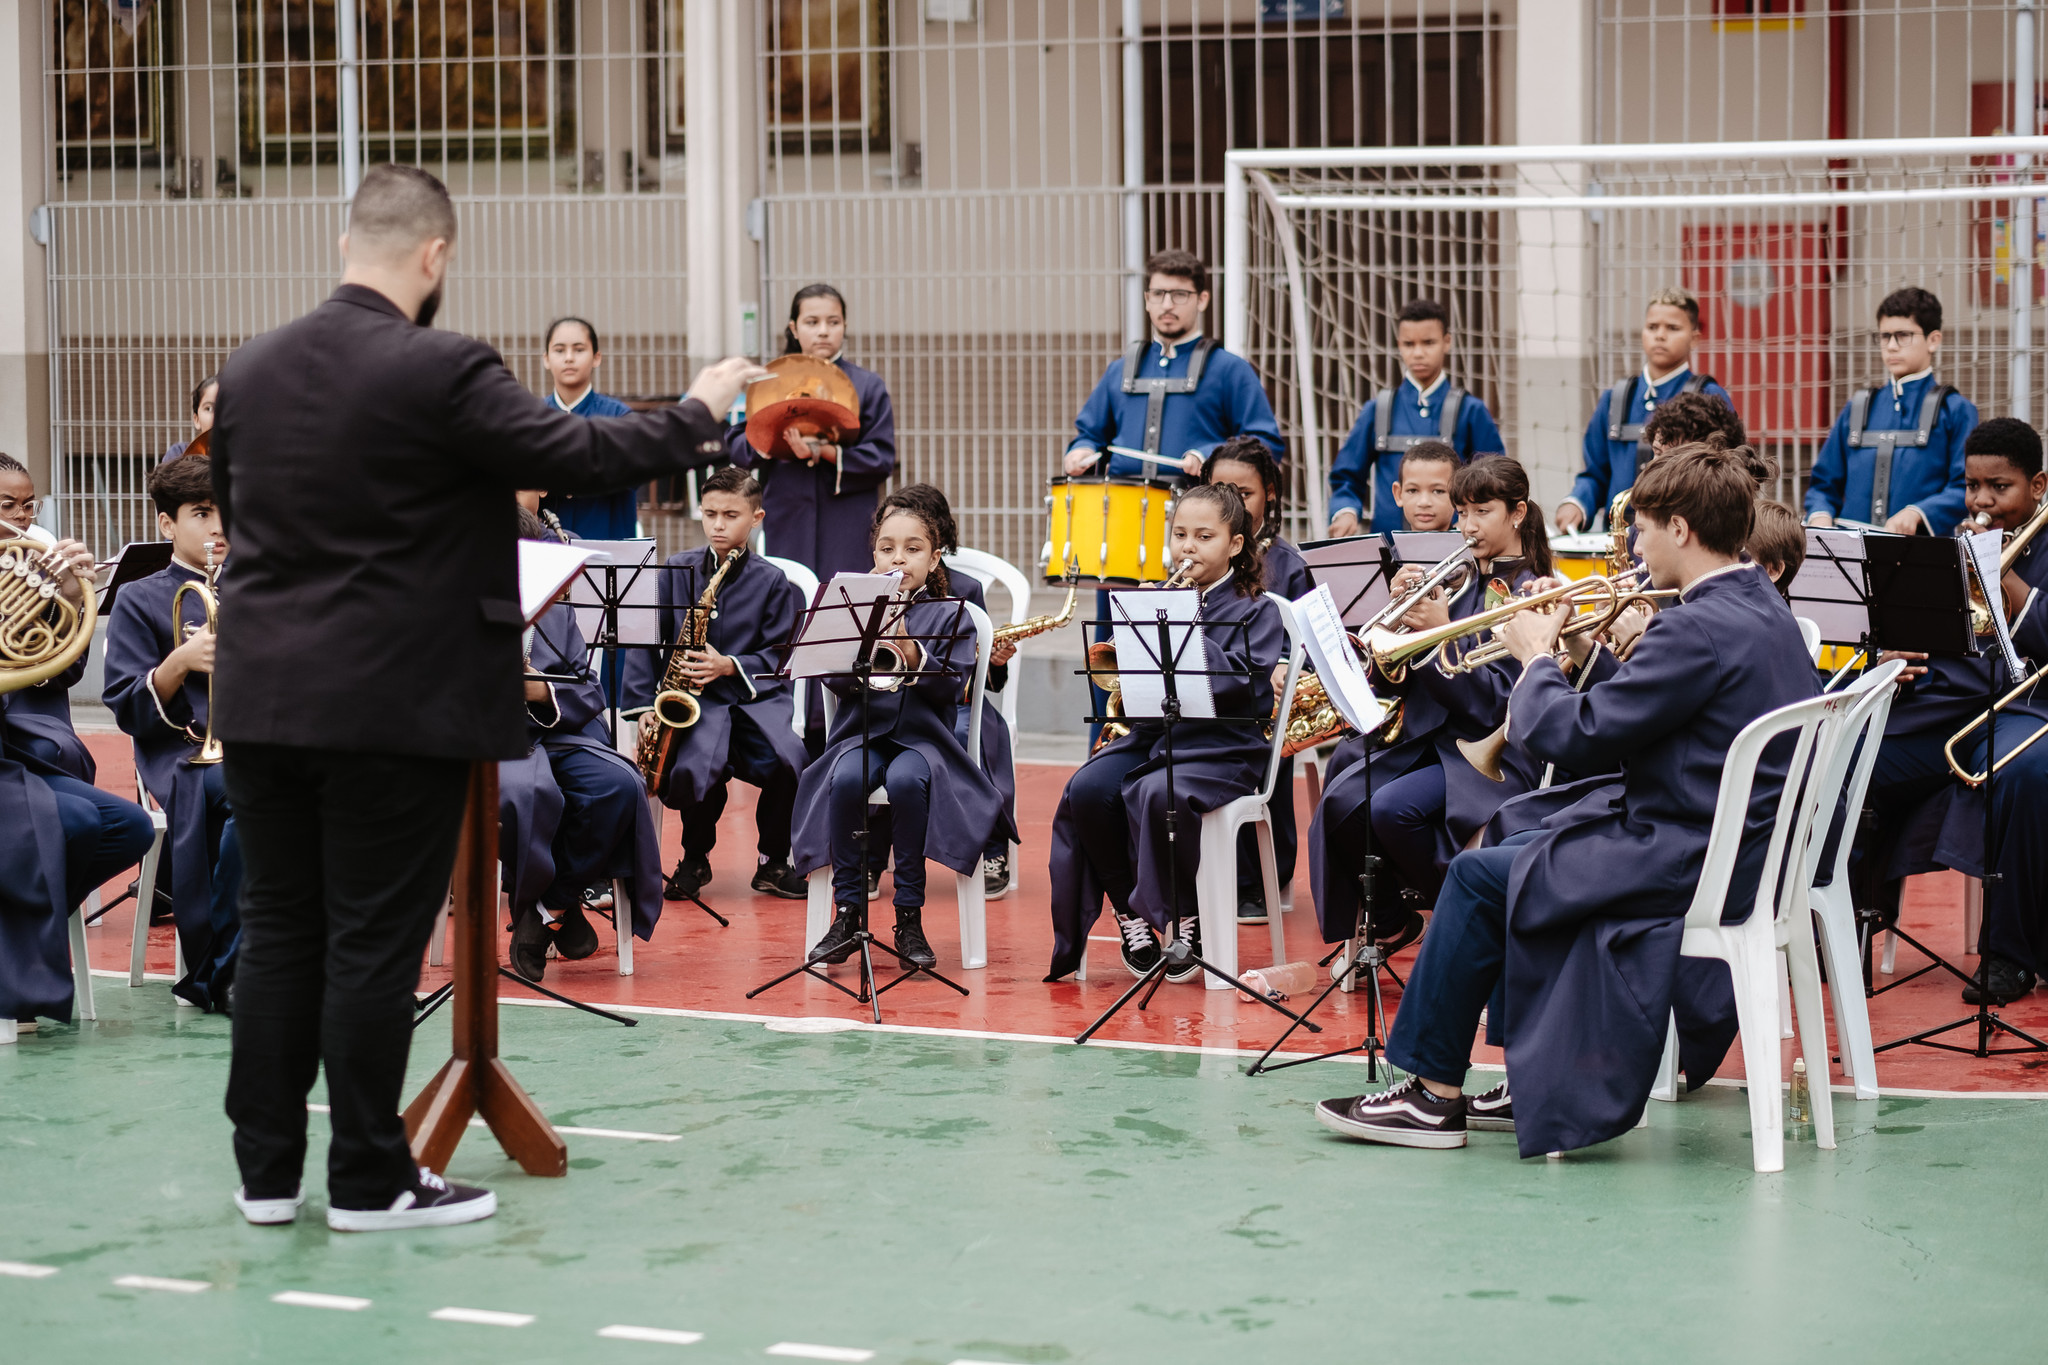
point(269, 1212)
point(1392, 1137)
point(396, 1220)
point(1478, 1125)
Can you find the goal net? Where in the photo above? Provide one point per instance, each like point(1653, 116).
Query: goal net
point(1544, 257)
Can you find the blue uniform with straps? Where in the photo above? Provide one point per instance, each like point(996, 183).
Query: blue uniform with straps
point(1221, 397)
point(1615, 445)
point(1391, 424)
point(1893, 446)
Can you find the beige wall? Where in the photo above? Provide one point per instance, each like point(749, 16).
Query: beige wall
point(24, 341)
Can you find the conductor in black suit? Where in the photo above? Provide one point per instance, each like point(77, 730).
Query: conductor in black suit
point(370, 651)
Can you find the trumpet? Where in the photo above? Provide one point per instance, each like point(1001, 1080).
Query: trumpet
point(209, 599)
point(41, 634)
point(892, 658)
point(1451, 574)
point(1393, 652)
point(1102, 669)
point(1623, 596)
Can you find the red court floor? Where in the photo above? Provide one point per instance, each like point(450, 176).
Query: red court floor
point(694, 964)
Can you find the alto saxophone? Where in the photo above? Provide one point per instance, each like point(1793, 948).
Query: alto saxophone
point(676, 706)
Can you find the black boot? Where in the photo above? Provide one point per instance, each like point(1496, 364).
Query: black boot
point(2005, 979)
point(839, 942)
point(529, 944)
point(575, 938)
point(910, 939)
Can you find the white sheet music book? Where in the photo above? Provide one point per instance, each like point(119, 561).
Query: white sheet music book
point(1329, 648)
point(830, 639)
point(545, 568)
point(1985, 549)
point(639, 592)
point(1135, 631)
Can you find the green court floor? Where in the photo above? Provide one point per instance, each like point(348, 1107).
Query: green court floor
point(937, 1199)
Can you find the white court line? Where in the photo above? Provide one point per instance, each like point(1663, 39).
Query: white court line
point(301, 1298)
point(807, 1352)
point(24, 1271)
point(483, 1316)
point(1130, 1045)
point(159, 1282)
point(663, 1335)
point(625, 1133)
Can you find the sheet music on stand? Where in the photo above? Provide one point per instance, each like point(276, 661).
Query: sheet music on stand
point(1135, 632)
point(1336, 663)
point(138, 559)
point(634, 580)
point(1984, 549)
point(1359, 569)
point(828, 641)
point(1830, 588)
point(545, 568)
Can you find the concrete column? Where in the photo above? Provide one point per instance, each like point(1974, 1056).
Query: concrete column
point(1555, 265)
point(719, 175)
point(24, 301)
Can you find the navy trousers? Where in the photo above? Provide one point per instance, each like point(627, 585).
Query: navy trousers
point(1095, 795)
point(597, 822)
point(1458, 971)
point(908, 779)
point(103, 834)
point(750, 758)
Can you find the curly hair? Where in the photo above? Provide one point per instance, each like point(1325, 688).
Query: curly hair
point(938, 585)
point(1688, 417)
point(930, 501)
point(1247, 566)
point(1256, 456)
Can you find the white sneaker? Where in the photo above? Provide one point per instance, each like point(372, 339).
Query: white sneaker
point(434, 1203)
point(264, 1212)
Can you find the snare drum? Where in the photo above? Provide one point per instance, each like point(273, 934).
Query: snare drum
point(1114, 529)
point(1581, 556)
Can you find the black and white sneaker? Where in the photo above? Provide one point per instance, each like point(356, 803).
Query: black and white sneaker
point(268, 1212)
point(1140, 944)
point(433, 1203)
point(1491, 1112)
point(1191, 935)
point(840, 941)
point(597, 896)
point(995, 876)
point(778, 878)
point(1406, 1115)
point(1252, 910)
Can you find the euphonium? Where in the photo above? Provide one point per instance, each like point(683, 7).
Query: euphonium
point(1102, 670)
point(41, 634)
point(676, 706)
point(209, 599)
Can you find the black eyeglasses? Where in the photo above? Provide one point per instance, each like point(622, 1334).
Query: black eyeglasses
point(1172, 296)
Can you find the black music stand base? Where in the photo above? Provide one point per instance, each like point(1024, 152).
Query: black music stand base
point(425, 1005)
point(1373, 959)
point(1175, 955)
point(869, 994)
point(723, 922)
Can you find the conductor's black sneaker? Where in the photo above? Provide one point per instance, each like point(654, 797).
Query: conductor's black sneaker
point(777, 878)
point(910, 939)
point(1140, 944)
point(2007, 981)
point(529, 944)
point(839, 943)
point(575, 939)
point(1493, 1111)
point(995, 876)
point(688, 879)
point(1252, 910)
point(1190, 934)
point(1406, 1115)
point(433, 1203)
point(267, 1212)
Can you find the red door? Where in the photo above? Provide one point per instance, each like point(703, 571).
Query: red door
point(1764, 314)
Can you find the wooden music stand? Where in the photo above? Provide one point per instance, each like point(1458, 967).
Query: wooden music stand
point(474, 1080)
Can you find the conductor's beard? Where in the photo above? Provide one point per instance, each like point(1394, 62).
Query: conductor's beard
point(430, 306)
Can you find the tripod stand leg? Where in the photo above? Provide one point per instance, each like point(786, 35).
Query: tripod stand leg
point(1153, 975)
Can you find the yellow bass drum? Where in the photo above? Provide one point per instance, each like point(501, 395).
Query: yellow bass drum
point(1114, 529)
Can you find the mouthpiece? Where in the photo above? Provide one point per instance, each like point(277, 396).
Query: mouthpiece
point(1981, 520)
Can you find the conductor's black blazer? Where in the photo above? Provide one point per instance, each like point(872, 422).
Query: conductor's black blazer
point(365, 467)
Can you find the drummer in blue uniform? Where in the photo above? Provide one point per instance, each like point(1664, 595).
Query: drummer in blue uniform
point(1616, 443)
point(1175, 397)
point(1894, 457)
point(1427, 407)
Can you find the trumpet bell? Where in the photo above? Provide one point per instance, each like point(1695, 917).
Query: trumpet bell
point(1485, 754)
point(676, 709)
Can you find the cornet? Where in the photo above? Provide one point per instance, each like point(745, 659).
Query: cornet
point(209, 747)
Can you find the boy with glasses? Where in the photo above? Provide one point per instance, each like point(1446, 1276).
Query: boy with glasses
point(1895, 455)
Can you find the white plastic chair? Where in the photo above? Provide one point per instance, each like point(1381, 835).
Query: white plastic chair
point(1810, 630)
point(986, 568)
point(145, 888)
point(807, 584)
point(1216, 874)
point(1779, 921)
point(967, 886)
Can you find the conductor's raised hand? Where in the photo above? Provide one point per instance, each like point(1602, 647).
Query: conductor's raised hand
point(1533, 633)
point(716, 386)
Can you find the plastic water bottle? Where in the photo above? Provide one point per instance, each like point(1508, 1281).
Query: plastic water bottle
point(1277, 983)
point(1799, 1105)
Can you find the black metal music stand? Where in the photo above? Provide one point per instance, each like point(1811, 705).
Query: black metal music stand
point(868, 632)
point(1984, 1018)
point(1175, 954)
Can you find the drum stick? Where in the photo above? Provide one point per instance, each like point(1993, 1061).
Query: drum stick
point(1145, 456)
